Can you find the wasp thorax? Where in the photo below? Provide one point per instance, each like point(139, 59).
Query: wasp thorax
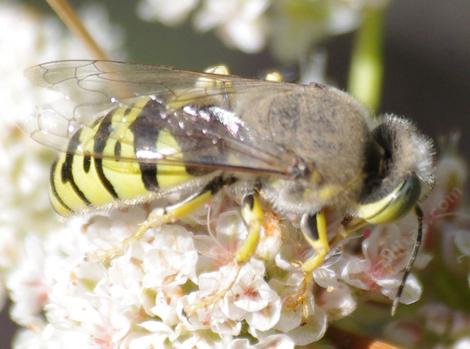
point(399, 168)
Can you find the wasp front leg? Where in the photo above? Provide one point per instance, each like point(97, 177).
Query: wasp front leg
point(315, 230)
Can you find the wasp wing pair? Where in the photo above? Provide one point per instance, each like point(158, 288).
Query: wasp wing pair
point(152, 118)
point(96, 87)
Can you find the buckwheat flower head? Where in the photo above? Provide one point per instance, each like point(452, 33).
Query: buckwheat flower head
point(153, 293)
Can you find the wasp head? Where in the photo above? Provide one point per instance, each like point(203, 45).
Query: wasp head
point(398, 173)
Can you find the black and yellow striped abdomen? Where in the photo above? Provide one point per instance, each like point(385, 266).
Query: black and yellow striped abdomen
point(101, 164)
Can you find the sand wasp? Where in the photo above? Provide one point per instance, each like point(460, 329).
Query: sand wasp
point(138, 133)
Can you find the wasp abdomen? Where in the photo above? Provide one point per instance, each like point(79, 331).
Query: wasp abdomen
point(102, 168)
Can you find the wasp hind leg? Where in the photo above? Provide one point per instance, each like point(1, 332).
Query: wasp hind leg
point(315, 231)
point(167, 215)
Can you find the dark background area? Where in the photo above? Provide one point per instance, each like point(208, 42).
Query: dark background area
point(427, 64)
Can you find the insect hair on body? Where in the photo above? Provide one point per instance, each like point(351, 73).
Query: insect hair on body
point(141, 132)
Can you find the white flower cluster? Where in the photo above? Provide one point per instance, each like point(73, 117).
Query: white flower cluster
point(178, 286)
point(291, 27)
point(436, 324)
point(28, 38)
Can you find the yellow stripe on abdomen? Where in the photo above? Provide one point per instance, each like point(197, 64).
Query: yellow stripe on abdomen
point(57, 200)
point(125, 175)
point(170, 175)
point(64, 197)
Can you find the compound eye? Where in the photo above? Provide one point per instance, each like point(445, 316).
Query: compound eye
point(394, 205)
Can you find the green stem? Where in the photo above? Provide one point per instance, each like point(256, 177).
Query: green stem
point(366, 72)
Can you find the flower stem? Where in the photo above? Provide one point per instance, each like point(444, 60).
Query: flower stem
point(366, 72)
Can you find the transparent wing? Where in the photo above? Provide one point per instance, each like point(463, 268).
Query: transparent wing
point(204, 112)
point(95, 86)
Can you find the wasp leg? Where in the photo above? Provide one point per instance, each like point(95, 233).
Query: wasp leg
point(168, 215)
point(252, 214)
point(315, 231)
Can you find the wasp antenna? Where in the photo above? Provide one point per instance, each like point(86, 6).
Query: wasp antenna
point(414, 254)
point(70, 18)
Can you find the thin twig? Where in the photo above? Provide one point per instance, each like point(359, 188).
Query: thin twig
point(70, 18)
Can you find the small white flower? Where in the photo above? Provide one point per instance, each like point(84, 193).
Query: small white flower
point(171, 258)
point(239, 23)
point(462, 242)
point(156, 336)
point(164, 304)
point(462, 343)
point(386, 253)
point(328, 274)
point(291, 317)
point(412, 290)
point(338, 302)
point(220, 249)
point(167, 12)
point(253, 299)
point(29, 289)
point(122, 281)
point(196, 309)
point(240, 343)
point(277, 341)
point(311, 330)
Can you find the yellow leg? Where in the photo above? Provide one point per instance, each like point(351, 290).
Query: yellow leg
point(315, 231)
point(166, 215)
point(252, 214)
